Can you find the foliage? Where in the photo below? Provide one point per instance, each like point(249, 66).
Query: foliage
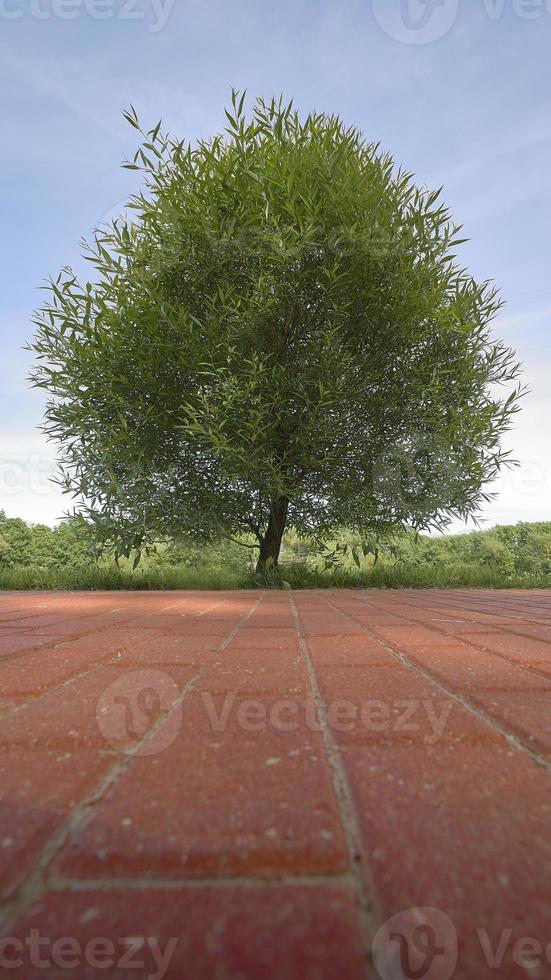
point(279, 337)
point(505, 555)
point(71, 544)
point(188, 553)
point(508, 550)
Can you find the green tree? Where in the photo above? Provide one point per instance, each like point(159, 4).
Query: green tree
point(74, 544)
point(42, 546)
point(16, 538)
point(533, 548)
point(279, 337)
point(493, 553)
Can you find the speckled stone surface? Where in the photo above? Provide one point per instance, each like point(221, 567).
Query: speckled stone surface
point(290, 786)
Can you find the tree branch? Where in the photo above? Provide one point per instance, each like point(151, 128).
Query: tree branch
point(242, 543)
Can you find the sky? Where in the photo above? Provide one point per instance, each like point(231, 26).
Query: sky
point(456, 90)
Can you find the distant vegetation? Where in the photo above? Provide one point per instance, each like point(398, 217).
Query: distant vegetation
point(68, 556)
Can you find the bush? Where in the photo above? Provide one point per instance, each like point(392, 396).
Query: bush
point(36, 556)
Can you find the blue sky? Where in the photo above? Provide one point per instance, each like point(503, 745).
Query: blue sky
point(457, 90)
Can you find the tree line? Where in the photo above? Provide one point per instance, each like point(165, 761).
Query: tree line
point(515, 550)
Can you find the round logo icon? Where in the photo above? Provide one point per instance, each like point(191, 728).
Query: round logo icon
point(415, 21)
point(130, 709)
point(417, 944)
point(120, 210)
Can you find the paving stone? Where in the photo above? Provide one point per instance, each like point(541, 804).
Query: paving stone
point(521, 649)
point(39, 670)
point(221, 802)
point(231, 933)
point(525, 713)
point(407, 638)
point(246, 670)
point(464, 668)
point(167, 648)
point(39, 788)
point(392, 705)
point(67, 717)
point(461, 828)
point(348, 649)
point(261, 639)
point(17, 642)
point(216, 813)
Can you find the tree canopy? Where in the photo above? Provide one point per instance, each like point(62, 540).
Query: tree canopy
point(69, 545)
point(278, 333)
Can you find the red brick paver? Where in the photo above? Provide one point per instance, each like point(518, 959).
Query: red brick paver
point(306, 785)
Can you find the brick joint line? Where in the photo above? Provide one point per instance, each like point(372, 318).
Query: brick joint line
point(369, 906)
point(59, 883)
point(58, 687)
point(491, 723)
point(37, 882)
point(470, 642)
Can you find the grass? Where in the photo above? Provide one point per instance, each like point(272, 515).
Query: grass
point(297, 576)
point(107, 578)
point(409, 576)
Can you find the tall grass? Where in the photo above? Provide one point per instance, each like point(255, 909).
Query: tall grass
point(404, 576)
point(97, 577)
point(296, 576)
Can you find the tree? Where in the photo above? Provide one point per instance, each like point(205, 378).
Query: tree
point(280, 336)
point(69, 545)
point(15, 541)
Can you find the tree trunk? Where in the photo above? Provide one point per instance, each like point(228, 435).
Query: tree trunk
point(270, 544)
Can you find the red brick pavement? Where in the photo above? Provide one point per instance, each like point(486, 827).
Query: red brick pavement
point(290, 786)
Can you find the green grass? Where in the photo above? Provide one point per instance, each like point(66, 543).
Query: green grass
point(99, 577)
point(298, 576)
point(404, 576)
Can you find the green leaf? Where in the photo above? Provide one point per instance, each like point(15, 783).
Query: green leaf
point(282, 319)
